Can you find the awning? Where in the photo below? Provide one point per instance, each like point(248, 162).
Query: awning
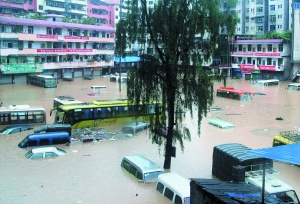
point(284, 153)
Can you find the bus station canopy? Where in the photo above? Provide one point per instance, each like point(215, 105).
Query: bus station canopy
point(284, 153)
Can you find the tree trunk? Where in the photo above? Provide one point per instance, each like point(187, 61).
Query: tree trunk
point(171, 109)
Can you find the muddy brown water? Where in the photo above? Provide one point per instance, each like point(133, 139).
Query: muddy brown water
point(91, 172)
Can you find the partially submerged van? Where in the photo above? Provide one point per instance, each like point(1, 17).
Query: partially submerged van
point(220, 123)
point(174, 187)
point(273, 186)
point(142, 168)
point(134, 128)
point(48, 138)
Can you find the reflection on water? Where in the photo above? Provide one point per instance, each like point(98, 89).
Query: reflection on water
point(91, 172)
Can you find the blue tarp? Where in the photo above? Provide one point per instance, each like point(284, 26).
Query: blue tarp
point(127, 59)
point(285, 153)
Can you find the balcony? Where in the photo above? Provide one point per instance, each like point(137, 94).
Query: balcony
point(80, 2)
point(56, 38)
point(63, 65)
point(76, 11)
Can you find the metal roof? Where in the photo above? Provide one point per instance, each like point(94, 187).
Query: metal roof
point(284, 153)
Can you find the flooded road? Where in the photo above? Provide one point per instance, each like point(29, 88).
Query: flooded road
point(91, 173)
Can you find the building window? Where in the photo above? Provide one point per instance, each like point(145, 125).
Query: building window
point(269, 47)
point(259, 28)
point(41, 7)
point(272, 27)
point(248, 60)
point(30, 2)
point(280, 47)
point(259, 48)
point(260, 9)
point(272, 7)
point(258, 60)
point(249, 48)
point(117, 9)
point(269, 61)
point(280, 6)
point(30, 44)
point(30, 29)
point(117, 17)
point(240, 48)
point(272, 18)
point(279, 26)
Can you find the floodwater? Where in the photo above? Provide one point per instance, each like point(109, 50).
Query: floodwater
point(91, 173)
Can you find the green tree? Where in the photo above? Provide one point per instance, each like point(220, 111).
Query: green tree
point(183, 34)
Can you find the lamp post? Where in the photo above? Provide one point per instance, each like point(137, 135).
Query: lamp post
point(120, 73)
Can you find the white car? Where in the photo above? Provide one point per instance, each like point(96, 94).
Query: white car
point(44, 152)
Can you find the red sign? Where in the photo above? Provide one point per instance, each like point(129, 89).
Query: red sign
point(46, 36)
point(259, 54)
point(267, 67)
point(269, 54)
point(64, 50)
point(246, 66)
point(77, 37)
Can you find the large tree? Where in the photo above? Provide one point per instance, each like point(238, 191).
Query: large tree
point(183, 35)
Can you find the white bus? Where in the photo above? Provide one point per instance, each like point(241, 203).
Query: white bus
point(269, 82)
point(63, 100)
point(22, 115)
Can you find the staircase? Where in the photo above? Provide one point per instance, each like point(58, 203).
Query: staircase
point(293, 76)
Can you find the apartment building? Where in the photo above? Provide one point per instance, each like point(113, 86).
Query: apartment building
point(260, 59)
point(51, 46)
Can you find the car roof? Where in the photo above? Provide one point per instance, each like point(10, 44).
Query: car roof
point(176, 182)
point(43, 149)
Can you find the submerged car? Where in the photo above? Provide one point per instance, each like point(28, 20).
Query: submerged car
point(44, 152)
point(15, 129)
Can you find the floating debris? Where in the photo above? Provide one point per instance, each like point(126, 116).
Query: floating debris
point(279, 118)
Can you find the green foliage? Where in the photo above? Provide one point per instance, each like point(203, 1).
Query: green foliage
point(286, 35)
point(174, 75)
point(230, 21)
point(231, 3)
point(36, 16)
point(90, 21)
point(67, 20)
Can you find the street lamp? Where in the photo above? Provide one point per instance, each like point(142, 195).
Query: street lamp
point(120, 72)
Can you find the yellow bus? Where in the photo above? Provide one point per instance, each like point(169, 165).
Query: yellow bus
point(286, 137)
point(294, 86)
point(22, 115)
point(101, 113)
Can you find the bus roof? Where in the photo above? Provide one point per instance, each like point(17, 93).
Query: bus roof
point(294, 84)
point(178, 183)
point(21, 107)
point(233, 90)
point(220, 123)
point(145, 164)
point(66, 100)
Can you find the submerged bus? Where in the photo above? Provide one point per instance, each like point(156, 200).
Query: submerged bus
point(64, 100)
point(269, 82)
point(235, 94)
point(22, 115)
point(286, 137)
point(100, 113)
point(44, 81)
point(294, 87)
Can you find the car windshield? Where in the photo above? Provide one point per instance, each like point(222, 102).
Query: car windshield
point(3, 131)
point(28, 154)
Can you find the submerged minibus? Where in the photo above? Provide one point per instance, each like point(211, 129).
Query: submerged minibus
point(48, 138)
point(142, 168)
point(220, 123)
point(269, 82)
point(174, 187)
point(294, 86)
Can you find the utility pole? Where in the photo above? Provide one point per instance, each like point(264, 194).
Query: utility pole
point(120, 53)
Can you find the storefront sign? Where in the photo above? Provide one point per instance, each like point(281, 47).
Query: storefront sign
point(21, 68)
point(267, 67)
point(64, 50)
point(258, 54)
point(77, 37)
point(246, 66)
point(46, 36)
